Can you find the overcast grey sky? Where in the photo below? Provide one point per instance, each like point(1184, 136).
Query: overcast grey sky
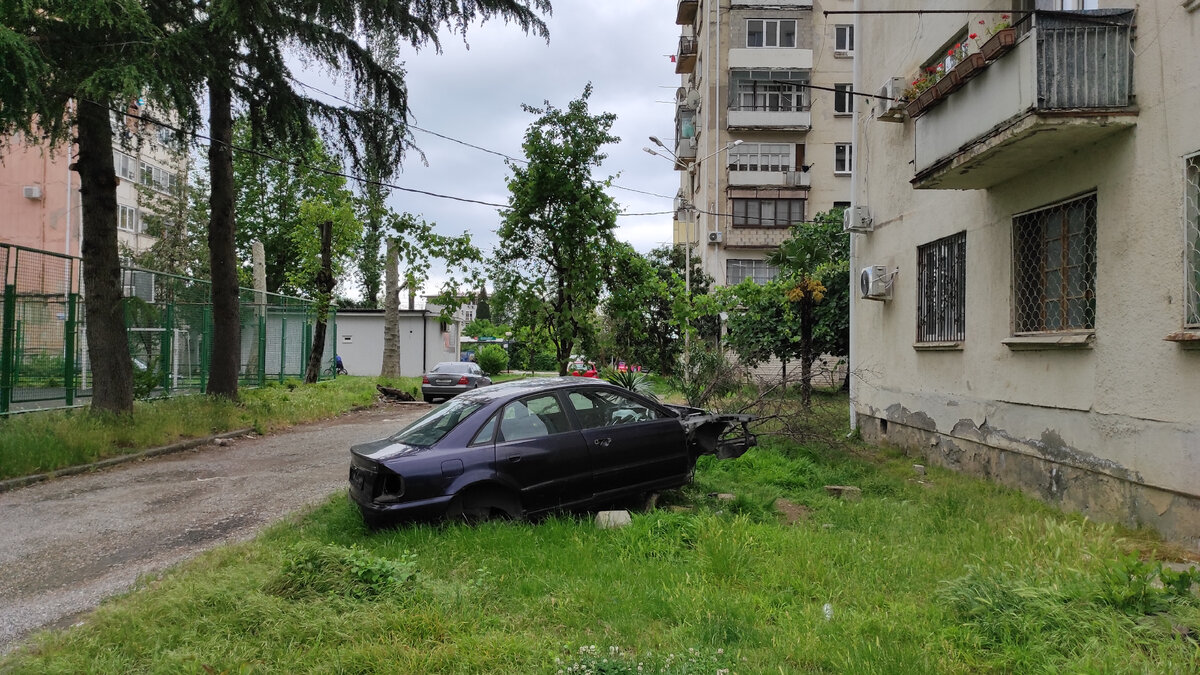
point(621, 46)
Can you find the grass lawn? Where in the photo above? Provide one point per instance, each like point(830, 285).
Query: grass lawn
point(38, 442)
point(933, 573)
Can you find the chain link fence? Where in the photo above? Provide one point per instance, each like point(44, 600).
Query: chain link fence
point(45, 362)
point(1054, 259)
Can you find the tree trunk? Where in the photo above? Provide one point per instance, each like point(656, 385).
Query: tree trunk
point(227, 338)
point(108, 342)
point(391, 312)
point(325, 285)
point(806, 351)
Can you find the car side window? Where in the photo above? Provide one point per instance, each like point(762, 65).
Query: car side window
point(486, 433)
point(606, 408)
point(533, 417)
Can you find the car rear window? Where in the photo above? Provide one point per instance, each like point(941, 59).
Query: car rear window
point(434, 425)
point(449, 367)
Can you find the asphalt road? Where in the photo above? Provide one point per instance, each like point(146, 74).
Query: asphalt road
point(67, 544)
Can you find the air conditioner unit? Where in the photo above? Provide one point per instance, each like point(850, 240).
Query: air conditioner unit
point(875, 282)
point(31, 192)
point(888, 106)
point(857, 219)
point(715, 237)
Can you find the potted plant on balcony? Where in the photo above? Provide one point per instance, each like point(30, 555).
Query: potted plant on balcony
point(970, 65)
point(921, 93)
point(1003, 38)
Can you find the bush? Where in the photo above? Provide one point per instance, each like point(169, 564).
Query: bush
point(312, 569)
point(492, 359)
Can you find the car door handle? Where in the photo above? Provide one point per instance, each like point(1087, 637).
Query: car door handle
point(603, 442)
point(513, 459)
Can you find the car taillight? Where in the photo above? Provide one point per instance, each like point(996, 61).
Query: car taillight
point(463, 380)
point(424, 379)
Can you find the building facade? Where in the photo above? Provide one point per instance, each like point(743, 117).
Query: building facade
point(1026, 231)
point(763, 126)
point(425, 340)
point(40, 193)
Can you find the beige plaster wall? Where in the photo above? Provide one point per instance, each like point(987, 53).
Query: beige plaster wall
point(1129, 407)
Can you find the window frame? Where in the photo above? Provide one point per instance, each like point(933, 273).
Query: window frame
point(744, 206)
point(1191, 240)
point(843, 39)
point(750, 157)
point(843, 99)
point(942, 290)
point(756, 266)
point(844, 165)
point(779, 33)
point(1030, 236)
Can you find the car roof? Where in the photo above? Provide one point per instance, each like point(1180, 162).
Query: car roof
point(531, 385)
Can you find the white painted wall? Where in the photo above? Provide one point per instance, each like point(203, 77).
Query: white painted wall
point(422, 342)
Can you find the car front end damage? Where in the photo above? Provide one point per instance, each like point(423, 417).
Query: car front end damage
point(727, 436)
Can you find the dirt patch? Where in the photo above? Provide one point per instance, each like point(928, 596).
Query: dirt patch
point(791, 511)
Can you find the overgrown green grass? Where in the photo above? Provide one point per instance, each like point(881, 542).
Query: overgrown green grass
point(935, 573)
point(45, 441)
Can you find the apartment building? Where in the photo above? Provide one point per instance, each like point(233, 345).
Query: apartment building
point(763, 126)
point(39, 193)
point(1027, 227)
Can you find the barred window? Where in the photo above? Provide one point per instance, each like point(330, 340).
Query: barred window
point(1192, 252)
point(767, 212)
point(737, 271)
point(1054, 267)
point(942, 289)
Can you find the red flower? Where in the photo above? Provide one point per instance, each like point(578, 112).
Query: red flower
point(1004, 16)
point(981, 22)
point(950, 53)
point(973, 35)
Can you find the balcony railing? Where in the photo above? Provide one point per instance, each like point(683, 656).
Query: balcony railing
point(1071, 74)
point(685, 58)
point(769, 117)
point(793, 179)
point(685, 12)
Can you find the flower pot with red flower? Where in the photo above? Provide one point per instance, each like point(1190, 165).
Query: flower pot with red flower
point(970, 66)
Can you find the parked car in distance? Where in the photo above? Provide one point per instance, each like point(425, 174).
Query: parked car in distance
point(583, 369)
point(451, 378)
point(531, 446)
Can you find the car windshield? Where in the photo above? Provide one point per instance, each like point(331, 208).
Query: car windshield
point(449, 367)
point(434, 426)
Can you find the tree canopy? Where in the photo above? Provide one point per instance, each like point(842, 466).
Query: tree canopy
point(556, 237)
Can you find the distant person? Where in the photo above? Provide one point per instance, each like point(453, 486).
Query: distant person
point(341, 369)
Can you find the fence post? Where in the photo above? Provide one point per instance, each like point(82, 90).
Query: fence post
point(205, 330)
point(8, 336)
point(165, 346)
point(282, 346)
point(69, 351)
point(262, 350)
point(306, 348)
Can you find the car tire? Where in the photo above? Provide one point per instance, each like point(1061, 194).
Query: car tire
point(428, 399)
point(479, 505)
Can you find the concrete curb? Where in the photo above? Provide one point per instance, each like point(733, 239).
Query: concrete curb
point(14, 483)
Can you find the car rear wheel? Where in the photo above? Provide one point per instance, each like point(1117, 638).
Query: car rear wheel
point(480, 505)
point(428, 399)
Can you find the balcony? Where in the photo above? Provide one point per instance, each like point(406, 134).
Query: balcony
point(785, 179)
point(685, 12)
point(757, 58)
point(1067, 83)
point(685, 151)
point(784, 4)
point(685, 58)
point(755, 237)
point(797, 118)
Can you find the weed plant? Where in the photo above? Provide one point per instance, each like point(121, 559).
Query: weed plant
point(930, 573)
point(39, 442)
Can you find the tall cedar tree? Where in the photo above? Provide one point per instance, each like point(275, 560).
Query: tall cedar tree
point(556, 239)
point(67, 65)
point(244, 44)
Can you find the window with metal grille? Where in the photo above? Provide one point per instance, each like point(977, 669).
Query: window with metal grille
point(767, 212)
point(942, 289)
point(737, 271)
point(1054, 267)
point(769, 90)
point(1192, 253)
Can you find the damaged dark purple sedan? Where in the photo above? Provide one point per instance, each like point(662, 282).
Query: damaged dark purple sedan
point(530, 446)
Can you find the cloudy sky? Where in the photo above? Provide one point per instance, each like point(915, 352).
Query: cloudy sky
point(475, 94)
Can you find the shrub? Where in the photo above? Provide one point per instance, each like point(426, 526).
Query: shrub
point(312, 569)
point(638, 383)
point(492, 359)
point(543, 361)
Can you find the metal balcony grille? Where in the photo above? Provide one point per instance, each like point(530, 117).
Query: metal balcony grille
point(1085, 60)
point(1054, 261)
point(1191, 252)
point(942, 289)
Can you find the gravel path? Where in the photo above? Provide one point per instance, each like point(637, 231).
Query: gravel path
point(69, 543)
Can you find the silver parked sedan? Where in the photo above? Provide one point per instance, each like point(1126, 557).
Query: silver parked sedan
point(450, 378)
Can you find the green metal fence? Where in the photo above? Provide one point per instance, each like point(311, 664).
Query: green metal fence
point(44, 359)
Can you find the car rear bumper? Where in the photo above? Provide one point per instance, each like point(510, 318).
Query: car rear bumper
point(424, 509)
point(447, 391)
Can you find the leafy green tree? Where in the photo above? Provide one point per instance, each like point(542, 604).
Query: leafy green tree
point(556, 238)
point(67, 65)
point(242, 51)
point(483, 327)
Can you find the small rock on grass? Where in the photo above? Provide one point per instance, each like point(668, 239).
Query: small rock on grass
point(847, 493)
point(607, 520)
